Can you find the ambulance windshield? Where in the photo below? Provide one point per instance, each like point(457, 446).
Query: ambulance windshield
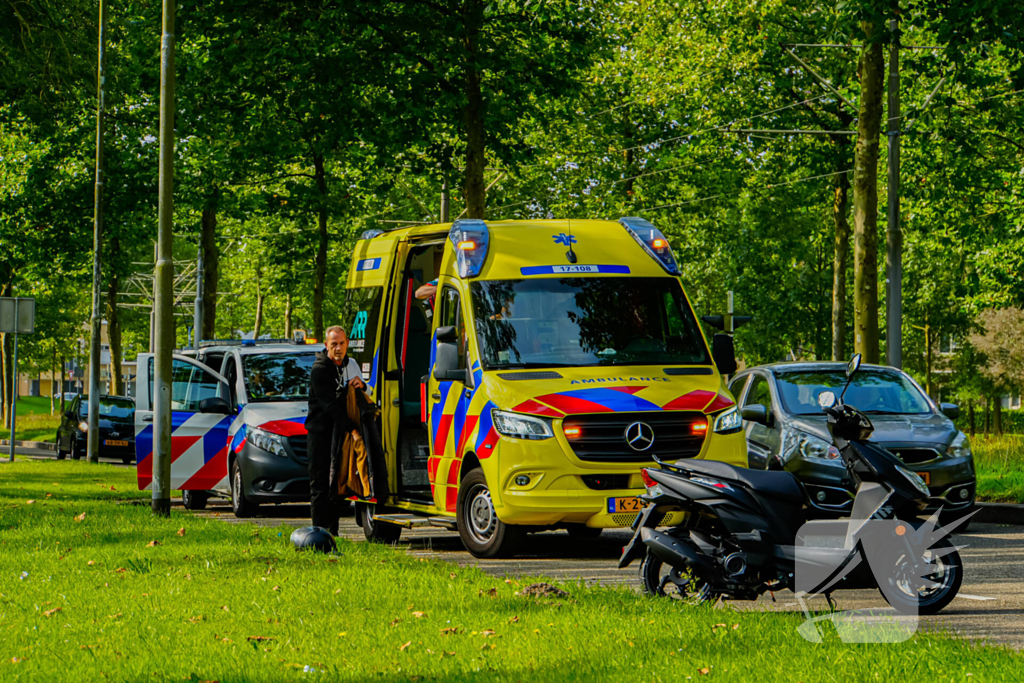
point(579, 321)
point(278, 376)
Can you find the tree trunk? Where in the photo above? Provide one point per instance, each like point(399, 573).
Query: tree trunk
point(474, 190)
point(62, 364)
point(997, 415)
point(988, 419)
point(320, 278)
point(114, 330)
point(53, 377)
point(211, 266)
point(288, 316)
point(865, 200)
point(842, 250)
point(260, 296)
point(970, 416)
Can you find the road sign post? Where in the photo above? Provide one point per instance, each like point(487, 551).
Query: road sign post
point(17, 316)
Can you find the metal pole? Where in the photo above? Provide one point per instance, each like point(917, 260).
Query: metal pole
point(164, 277)
point(14, 363)
point(197, 315)
point(445, 200)
point(152, 304)
point(93, 435)
point(894, 233)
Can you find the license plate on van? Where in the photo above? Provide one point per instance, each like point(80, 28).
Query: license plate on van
point(114, 442)
point(625, 505)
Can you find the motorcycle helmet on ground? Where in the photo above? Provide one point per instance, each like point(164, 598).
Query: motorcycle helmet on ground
point(313, 537)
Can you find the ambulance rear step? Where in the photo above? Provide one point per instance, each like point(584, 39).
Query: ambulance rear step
point(409, 521)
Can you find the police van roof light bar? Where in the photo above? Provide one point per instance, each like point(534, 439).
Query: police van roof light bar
point(471, 238)
point(653, 241)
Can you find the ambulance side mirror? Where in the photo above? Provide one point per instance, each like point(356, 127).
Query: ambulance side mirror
point(446, 363)
point(723, 353)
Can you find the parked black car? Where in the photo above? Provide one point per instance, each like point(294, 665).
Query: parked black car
point(786, 429)
point(117, 428)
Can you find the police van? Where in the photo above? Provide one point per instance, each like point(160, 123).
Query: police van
point(526, 371)
point(238, 412)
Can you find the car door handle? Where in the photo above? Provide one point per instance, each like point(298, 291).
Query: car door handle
point(436, 396)
point(147, 418)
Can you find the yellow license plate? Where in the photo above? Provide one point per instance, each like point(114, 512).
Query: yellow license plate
point(625, 505)
point(927, 476)
point(114, 442)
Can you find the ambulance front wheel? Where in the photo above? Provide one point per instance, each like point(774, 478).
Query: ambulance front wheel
point(376, 531)
point(483, 534)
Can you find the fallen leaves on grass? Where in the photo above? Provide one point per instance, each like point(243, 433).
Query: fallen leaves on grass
point(513, 620)
point(113, 616)
point(451, 575)
point(196, 619)
point(419, 615)
point(225, 608)
point(542, 590)
point(181, 531)
point(449, 631)
point(704, 672)
point(120, 570)
point(80, 517)
point(394, 622)
point(89, 563)
point(29, 502)
point(492, 593)
point(51, 612)
point(276, 588)
point(153, 544)
point(18, 660)
point(487, 633)
point(402, 649)
point(259, 639)
point(487, 646)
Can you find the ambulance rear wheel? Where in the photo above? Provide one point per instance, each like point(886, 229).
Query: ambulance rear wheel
point(483, 534)
point(376, 531)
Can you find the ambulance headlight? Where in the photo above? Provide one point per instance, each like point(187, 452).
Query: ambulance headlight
point(519, 426)
point(264, 440)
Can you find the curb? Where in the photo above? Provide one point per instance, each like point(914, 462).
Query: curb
point(33, 445)
point(999, 513)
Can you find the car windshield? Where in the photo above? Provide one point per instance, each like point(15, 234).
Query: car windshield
point(113, 409)
point(277, 376)
point(871, 391)
point(581, 321)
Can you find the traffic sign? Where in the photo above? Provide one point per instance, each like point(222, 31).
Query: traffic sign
point(17, 315)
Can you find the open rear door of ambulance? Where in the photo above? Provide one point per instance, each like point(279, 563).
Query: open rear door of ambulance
point(200, 417)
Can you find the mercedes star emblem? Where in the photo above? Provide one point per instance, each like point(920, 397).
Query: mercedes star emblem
point(639, 436)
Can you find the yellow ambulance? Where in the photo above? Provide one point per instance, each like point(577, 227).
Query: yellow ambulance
point(526, 371)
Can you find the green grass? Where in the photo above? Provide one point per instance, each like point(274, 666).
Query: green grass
point(35, 423)
point(1000, 466)
point(225, 602)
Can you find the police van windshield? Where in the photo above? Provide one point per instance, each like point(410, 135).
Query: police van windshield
point(278, 376)
point(578, 321)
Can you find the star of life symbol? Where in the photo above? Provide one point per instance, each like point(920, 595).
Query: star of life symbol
point(562, 238)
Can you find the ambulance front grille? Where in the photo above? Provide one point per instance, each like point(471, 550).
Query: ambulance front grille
point(603, 436)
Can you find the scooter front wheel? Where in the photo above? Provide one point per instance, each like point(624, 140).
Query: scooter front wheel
point(922, 585)
point(664, 580)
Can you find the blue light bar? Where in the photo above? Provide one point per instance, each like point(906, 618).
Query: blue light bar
point(370, 234)
point(653, 242)
point(471, 238)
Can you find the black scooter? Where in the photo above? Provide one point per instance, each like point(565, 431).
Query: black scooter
point(746, 532)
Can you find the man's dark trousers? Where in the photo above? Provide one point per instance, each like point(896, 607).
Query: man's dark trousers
point(323, 501)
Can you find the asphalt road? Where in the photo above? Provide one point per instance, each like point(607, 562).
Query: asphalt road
point(990, 605)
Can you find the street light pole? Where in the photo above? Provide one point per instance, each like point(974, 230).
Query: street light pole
point(164, 277)
point(197, 313)
point(93, 435)
point(894, 232)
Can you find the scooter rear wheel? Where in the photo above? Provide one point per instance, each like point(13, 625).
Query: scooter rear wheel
point(662, 580)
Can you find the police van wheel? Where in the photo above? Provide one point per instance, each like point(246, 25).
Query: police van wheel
point(376, 531)
point(483, 534)
point(239, 505)
point(194, 500)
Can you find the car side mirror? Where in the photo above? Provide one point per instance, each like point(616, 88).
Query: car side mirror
point(950, 410)
point(854, 365)
point(723, 353)
point(446, 363)
point(215, 404)
point(755, 412)
point(69, 414)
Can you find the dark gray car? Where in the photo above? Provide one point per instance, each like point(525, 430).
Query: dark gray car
point(786, 429)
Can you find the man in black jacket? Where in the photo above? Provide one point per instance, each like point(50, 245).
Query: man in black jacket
point(332, 373)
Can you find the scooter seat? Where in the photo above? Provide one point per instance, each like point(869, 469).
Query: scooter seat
point(766, 482)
